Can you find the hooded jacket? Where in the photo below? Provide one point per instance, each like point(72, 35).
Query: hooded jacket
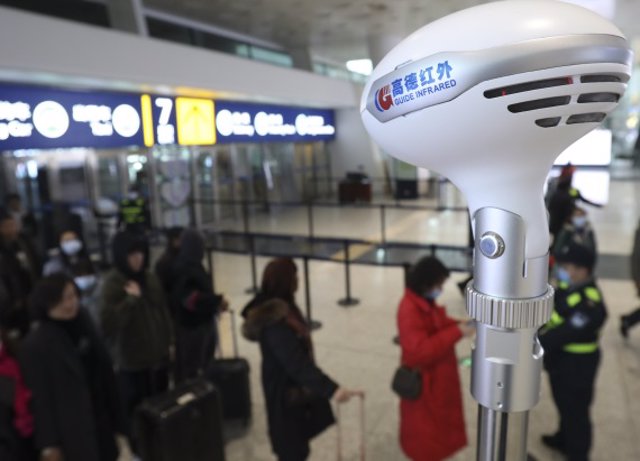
point(138, 329)
point(296, 391)
point(192, 298)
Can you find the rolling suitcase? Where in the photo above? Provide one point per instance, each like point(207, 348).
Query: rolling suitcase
point(231, 377)
point(182, 424)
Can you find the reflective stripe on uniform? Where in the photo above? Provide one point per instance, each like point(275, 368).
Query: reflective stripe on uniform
point(581, 348)
point(593, 294)
point(574, 299)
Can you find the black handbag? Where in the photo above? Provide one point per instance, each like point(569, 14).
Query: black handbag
point(407, 383)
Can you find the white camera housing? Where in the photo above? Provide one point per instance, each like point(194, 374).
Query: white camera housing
point(491, 95)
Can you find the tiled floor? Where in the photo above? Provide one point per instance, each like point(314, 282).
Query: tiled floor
point(354, 345)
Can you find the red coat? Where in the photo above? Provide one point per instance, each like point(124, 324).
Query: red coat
point(432, 427)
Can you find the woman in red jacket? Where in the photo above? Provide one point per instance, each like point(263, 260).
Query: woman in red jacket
point(431, 427)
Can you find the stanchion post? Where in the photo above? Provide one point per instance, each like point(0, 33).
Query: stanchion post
point(310, 219)
point(313, 324)
point(245, 216)
point(383, 225)
point(348, 301)
point(254, 271)
point(210, 266)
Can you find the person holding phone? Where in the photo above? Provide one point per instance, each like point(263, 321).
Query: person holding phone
point(431, 425)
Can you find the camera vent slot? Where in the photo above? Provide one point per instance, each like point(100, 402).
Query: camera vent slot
point(600, 78)
point(539, 104)
point(548, 122)
point(528, 86)
point(598, 97)
point(591, 117)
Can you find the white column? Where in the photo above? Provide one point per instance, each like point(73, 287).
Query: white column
point(128, 16)
point(301, 58)
point(380, 45)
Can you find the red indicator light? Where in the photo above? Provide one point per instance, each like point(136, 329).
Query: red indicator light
point(504, 92)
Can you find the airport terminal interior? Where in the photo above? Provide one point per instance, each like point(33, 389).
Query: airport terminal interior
point(125, 124)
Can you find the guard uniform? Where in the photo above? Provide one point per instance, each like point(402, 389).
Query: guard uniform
point(134, 215)
point(572, 357)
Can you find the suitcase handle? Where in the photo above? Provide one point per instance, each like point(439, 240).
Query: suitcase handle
point(234, 333)
point(360, 397)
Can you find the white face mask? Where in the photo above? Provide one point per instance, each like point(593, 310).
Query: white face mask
point(579, 221)
point(84, 282)
point(71, 247)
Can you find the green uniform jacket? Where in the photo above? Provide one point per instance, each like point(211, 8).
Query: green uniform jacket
point(138, 330)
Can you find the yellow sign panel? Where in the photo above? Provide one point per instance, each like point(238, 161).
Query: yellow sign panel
point(147, 120)
point(195, 122)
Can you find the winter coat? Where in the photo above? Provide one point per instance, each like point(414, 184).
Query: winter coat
point(16, 420)
point(432, 427)
point(296, 391)
point(75, 403)
point(192, 298)
point(635, 259)
point(138, 330)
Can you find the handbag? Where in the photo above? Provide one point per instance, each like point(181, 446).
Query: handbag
point(407, 383)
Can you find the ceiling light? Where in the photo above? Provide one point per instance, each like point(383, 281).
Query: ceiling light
point(360, 66)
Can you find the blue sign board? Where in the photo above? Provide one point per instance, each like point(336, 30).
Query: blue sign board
point(242, 122)
point(43, 118)
point(34, 117)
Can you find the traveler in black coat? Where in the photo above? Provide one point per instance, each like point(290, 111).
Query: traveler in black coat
point(164, 265)
point(195, 306)
point(76, 405)
point(16, 279)
point(296, 391)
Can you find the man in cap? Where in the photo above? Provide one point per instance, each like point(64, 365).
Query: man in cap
point(572, 355)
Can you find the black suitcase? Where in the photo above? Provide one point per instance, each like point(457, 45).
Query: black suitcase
point(231, 377)
point(184, 424)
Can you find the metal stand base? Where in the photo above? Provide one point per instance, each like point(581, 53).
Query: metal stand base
point(348, 302)
point(251, 291)
point(315, 325)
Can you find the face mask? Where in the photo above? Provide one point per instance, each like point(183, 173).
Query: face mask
point(563, 275)
point(579, 221)
point(71, 247)
point(433, 294)
point(84, 282)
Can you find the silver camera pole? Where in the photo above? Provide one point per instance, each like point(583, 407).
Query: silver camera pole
point(510, 299)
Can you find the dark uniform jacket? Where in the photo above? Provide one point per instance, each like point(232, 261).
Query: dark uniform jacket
point(575, 324)
point(75, 403)
point(296, 391)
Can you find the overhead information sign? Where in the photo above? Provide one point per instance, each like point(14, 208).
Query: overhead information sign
point(33, 118)
point(195, 121)
point(44, 118)
point(241, 122)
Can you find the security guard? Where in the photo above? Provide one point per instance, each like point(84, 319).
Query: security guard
point(134, 213)
point(572, 355)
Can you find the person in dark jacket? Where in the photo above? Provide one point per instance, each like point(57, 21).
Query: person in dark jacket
point(629, 320)
point(572, 353)
point(577, 229)
point(166, 262)
point(195, 307)
point(73, 260)
point(296, 391)
point(77, 410)
point(135, 322)
point(16, 279)
point(16, 420)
